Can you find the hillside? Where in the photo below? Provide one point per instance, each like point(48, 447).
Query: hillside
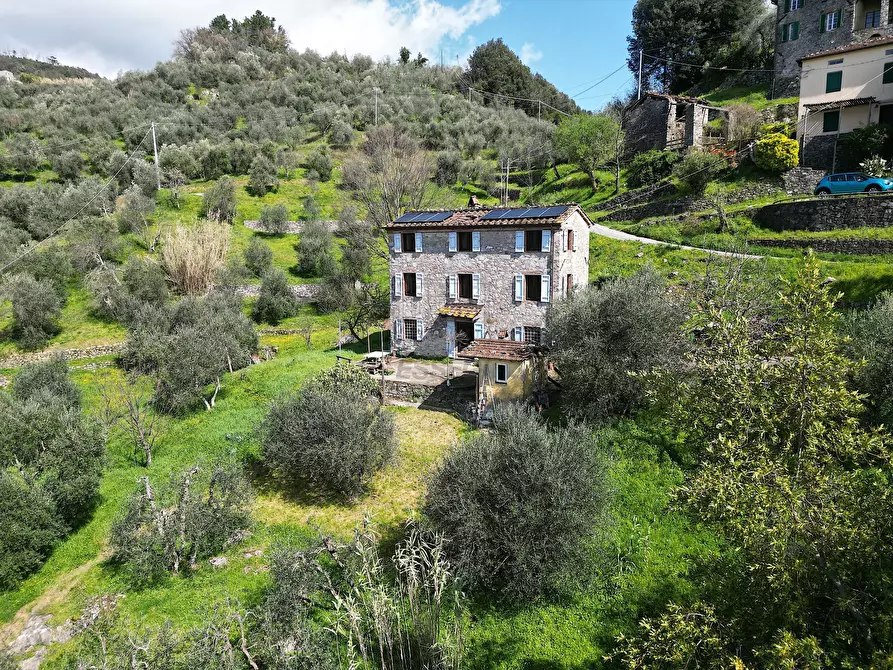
point(19, 65)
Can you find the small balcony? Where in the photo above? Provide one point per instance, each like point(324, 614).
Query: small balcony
point(868, 15)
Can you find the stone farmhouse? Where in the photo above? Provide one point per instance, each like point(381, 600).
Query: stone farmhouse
point(840, 90)
point(810, 26)
point(482, 274)
point(673, 122)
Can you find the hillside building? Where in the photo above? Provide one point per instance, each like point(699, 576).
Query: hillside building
point(840, 90)
point(810, 26)
point(673, 122)
point(479, 274)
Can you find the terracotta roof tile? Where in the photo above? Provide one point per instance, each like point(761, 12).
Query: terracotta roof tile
point(500, 350)
point(468, 218)
point(880, 41)
point(461, 311)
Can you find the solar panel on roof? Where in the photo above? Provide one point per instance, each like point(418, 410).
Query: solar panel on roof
point(424, 217)
point(554, 211)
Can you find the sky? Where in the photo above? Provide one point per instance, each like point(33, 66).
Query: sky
point(572, 43)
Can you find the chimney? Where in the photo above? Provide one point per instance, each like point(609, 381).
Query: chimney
point(473, 201)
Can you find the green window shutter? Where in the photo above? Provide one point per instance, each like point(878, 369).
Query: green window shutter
point(784, 32)
point(888, 73)
point(833, 82)
point(787, 5)
point(824, 23)
point(795, 30)
point(837, 16)
point(831, 122)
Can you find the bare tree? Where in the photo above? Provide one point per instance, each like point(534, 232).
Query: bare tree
point(389, 177)
point(129, 406)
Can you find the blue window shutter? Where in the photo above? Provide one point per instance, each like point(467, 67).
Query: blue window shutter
point(418, 241)
point(453, 244)
point(451, 338)
point(546, 288)
point(475, 287)
point(519, 240)
point(475, 241)
point(398, 243)
point(478, 331)
point(453, 282)
point(519, 288)
point(419, 284)
point(398, 285)
point(516, 334)
point(399, 329)
point(547, 240)
point(419, 330)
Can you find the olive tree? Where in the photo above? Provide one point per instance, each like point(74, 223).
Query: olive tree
point(258, 256)
point(602, 336)
point(36, 308)
point(332, 434)
point(314, 249)
point(276, 301)
point(871, 339)
point(219, 204)
point(519, 506)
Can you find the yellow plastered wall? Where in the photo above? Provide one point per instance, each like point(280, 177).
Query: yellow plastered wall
point(519, 385)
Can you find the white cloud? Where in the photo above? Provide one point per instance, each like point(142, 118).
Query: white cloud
point(110, 35)
point(530, 54)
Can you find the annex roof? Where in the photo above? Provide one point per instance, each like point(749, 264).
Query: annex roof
point(488, 217)
point(838, 104)
point(654, 95)
point(500, 350)
point(461, 311)
point(858, 46)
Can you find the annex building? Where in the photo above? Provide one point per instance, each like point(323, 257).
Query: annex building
point(481, 274)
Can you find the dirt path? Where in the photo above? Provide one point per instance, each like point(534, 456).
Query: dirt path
point(604, 231)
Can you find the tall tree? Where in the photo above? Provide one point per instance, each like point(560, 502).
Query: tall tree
point(589, 142)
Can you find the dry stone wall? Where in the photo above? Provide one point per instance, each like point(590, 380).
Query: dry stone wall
point(828, 214)
point(18, 360)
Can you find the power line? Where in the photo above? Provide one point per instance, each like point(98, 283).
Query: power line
point(78, 213)
point(703, 67)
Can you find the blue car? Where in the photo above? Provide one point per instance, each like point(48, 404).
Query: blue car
point(852, 182)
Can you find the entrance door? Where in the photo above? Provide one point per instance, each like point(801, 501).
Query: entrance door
point(464, 333)
point(886, 116)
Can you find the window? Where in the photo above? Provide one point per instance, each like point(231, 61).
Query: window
point(888, 73)
point(502, 373)
point(831, 122)
point(569, 285)
point(464, 241)
point(532, 334)
point(570, 240)
point(411, 329)
point(833, 81)
point(465, 286)
point(836, 61)
point(795, 5)
point(533, 240)
point(830, 21)
point(790, 31)
point(409, 242)
point(533, 287)
point(838, 177)
point(412, 285)
point(873, 19)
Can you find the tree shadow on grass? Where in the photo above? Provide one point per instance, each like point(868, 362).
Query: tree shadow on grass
point(297, 490)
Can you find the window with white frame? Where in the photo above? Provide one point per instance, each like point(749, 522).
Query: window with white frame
point(796, 4)
point(411, 329)
point(502, 373)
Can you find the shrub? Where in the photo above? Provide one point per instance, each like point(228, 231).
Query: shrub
point(863, 142)
point(447, 167)
point(134, 211)
point(519, 506)
point(274, 218)
point(340, 134)
point(219, 204)
point(602, 335)
point(319, 164)
point(258, 256)
point(169, 528)
point(698, 169)
point(192, 256)
point(650, 167)
point(276, 301)
point(145, 280)
point(145, 176)
point(314, 250)
point(29, 527)
point(262, 177)
point(743, 123)
point(776, 153)
point(47, 380)
point(333, 433)
point(35, 310)
point(875, 167)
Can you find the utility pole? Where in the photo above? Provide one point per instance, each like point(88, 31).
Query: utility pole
point(155, 150)
point(539, 110)
point(641, 58)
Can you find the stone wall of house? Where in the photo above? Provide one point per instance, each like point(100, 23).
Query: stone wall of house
point(836, 246)
point(801, 180)
point(828, 214)
point(692, 203)
point(646, 126)
point(497, 263)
